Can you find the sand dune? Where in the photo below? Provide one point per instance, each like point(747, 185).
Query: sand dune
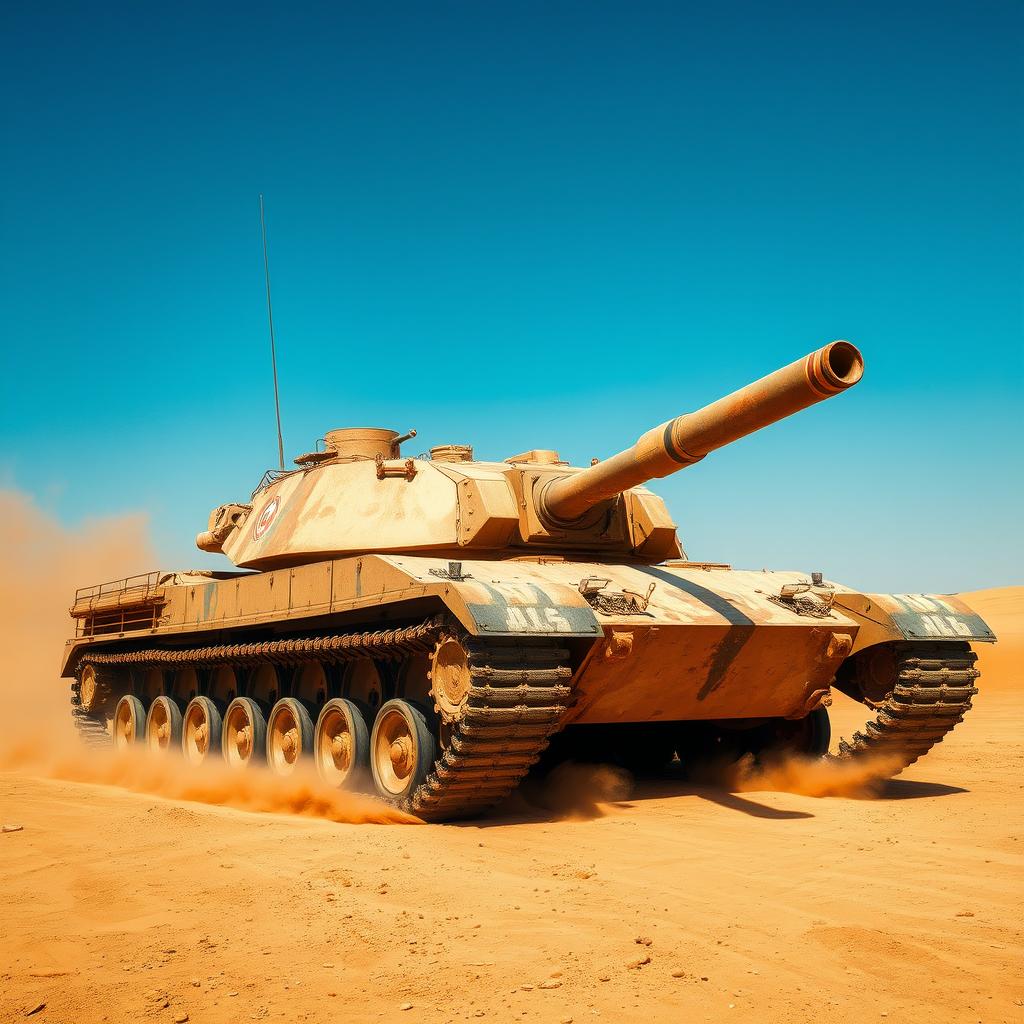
point(1002, 663)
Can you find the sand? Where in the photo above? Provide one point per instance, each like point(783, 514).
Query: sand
point(674, 904)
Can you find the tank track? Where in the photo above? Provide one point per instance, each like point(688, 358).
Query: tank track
point(933, 691)
point(519, 693)
point(394, 643)
point(91, 729)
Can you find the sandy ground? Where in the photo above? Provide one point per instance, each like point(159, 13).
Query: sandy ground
point(677, 904)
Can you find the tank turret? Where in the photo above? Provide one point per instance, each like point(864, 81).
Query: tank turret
point(359, 495)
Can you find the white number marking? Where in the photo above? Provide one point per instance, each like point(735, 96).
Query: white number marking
point(529, 620)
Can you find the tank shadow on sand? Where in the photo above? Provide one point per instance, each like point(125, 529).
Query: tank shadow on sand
point(586, 797)
point(534, 804)
point(908, 789)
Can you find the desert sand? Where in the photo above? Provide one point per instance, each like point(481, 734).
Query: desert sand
point(125, 897)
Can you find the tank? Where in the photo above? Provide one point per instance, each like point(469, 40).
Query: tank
point(425, 627)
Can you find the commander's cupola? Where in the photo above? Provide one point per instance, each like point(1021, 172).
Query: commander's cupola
point(351, 444)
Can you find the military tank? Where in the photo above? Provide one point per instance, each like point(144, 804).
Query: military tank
point(423, 627)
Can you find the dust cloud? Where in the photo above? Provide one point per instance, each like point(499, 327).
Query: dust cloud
point(216, 784)
point(580, 791)
point(42, 563)
point(861, 778)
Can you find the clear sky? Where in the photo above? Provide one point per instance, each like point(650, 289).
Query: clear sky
point(525, 225)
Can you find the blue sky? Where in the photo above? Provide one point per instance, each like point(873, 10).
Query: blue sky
point(525, 225)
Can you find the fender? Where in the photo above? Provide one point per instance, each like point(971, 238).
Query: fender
point(887, 617)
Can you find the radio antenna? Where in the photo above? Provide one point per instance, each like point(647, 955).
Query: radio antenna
point(273, 350)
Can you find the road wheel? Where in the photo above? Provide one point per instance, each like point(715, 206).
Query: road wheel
point(809, 736)
point(289, 735)
point(244, 736)
point(201, 730)
point(129, 722)
point(163, 725)
point(341, 747)
point(402, 749)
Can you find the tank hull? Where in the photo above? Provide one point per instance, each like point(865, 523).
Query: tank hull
point(711, 642)
point(479, 663)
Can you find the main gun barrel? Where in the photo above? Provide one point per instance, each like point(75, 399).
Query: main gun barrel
point(688, 438)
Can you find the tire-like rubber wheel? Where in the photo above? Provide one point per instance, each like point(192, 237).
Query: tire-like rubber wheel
point(129, 722)
point(289, 735)
point(244, 734)
point(402, 749)
point(163, 726)
point(201, 730)
point(341, 746)
point(819, 732)
point(805, 737)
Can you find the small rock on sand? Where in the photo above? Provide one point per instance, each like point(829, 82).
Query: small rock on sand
point(406, 1006)
point(39, 1006)
point(14, 828)
point(551, 983)
point(677, 973)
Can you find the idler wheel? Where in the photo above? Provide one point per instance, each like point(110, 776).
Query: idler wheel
point(289, 735)
point(244, 736)
point(163, 725)
point(450, 679)
point(402, 749)
point(93, 691)
point(341, 746)
point(129, 722)
point(201, 731)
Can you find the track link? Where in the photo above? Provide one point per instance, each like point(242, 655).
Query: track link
point(383, 643)
point(932, 692)
point(520, 691)
point(91, 728)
